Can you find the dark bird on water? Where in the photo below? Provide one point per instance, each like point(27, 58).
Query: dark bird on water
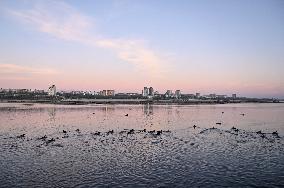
point(21, 136)
point(262, 135)
point(50, 140)
point(97, 133)
point(235, 129)
point(144, 130)
point(218, 123)
point(131, 131)
point(159, 132)
point(194, 126)
point(275, 133)
point(242, 114)
point(77, 130)
point(258, 132)
point(222, 112)
point(126, 114)
point(43, 138)
point(64, 131)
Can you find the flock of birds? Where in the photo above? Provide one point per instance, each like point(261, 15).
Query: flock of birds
point(154, 133)
point(236, 130)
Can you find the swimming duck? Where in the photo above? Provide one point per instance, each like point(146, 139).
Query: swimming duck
point(21, 136)
point(275, 133)
point(159, 132)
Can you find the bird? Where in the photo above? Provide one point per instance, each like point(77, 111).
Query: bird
point(262, 135)
point(97, 133)
point(21, 136)
point(242, 114)
point(77, 130)
point(159, 132)
point(50, 140)
point(43, 138)
point(144, 130)
point(131, 131)
point(218, 123)
point(235, 129)
point(64, 131)
point(275, 133)
point(194, 126)
point(126, 114)
point(258, 132)
point(222, 112)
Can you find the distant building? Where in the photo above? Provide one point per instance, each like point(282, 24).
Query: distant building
point(169, 93)
point(107, 92)
point(133, 94)
point(145, 92)
point(39, 91)
point(188, 96)
point(148, 92)
point(212, 96)
point(177, 94)
point(234, 96)
point(151, 91)
point(110, 93)
point(197, 95)
point(221, 96)
point(52, 90)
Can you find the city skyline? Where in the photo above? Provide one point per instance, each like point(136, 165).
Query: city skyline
point(221, 47)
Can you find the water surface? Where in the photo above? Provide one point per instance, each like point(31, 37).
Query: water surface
point(180, 157)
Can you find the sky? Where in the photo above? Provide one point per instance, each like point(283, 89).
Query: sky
point(206, 46)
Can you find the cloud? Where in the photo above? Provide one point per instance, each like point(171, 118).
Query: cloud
point(62, 21)
point(8, 69)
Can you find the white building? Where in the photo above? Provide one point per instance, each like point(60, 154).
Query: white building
point(52, 90)
point(148, 92)
point(145, 92)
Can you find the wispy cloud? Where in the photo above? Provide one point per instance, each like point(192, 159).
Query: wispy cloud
point(8, 69)
point(62, 21)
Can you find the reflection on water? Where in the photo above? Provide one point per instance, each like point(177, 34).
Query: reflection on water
point(51, 112)
point(107, 145)
point(148, 109)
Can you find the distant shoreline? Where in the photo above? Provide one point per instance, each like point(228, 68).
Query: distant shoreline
point(137, 101)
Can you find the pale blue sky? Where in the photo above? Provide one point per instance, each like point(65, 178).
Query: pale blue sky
point(196, 46)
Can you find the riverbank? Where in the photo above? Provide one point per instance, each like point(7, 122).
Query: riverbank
point(140, 101)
